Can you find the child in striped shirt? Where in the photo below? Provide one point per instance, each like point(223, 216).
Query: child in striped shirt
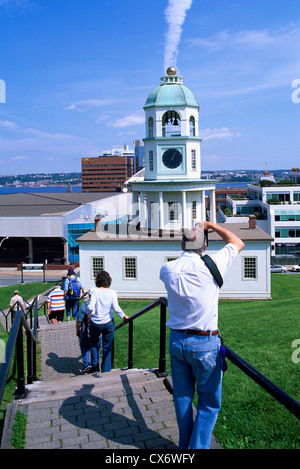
point(56, 304)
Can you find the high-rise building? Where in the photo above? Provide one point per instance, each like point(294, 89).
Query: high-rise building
point(105, 173)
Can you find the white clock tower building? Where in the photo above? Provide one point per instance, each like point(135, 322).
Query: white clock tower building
point(171, 194)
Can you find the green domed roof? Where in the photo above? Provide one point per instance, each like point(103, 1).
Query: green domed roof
point(171, 93)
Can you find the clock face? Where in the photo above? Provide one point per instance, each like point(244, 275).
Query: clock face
point(172, 158)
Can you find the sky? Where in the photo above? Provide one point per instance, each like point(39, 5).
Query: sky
point(75, 75)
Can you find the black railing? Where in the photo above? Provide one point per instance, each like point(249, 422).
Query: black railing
point(15, 342)
point(281, 396)
point(161, 371)
point(17, 306)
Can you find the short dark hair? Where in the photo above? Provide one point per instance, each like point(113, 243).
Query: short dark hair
point(103, 279)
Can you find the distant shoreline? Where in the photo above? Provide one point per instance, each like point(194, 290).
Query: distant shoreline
point(78, 189)
point(53, 189)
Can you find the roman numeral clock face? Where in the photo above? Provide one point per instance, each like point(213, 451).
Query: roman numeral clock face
point(172, 158)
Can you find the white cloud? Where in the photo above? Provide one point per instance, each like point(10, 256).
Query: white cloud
point(17, 158)
point(17, 3)
point(49, 135)
point(86, 103)
point(8, 125)
point(288, 35)
point(126, 121)
point(216, 134)
point(250, 61)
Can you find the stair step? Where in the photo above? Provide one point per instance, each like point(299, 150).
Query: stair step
point(115, 380)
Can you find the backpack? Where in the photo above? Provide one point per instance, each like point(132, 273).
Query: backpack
point(74, 289)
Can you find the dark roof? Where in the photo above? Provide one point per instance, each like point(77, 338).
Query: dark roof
point(45, 204)
point(242, 230)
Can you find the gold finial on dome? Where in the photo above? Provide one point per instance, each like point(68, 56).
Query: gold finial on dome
point(171, 71)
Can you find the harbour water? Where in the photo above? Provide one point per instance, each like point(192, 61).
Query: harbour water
point(20, 190)
point(62, 189)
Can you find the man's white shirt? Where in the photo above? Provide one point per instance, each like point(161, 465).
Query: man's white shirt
point(193, 293)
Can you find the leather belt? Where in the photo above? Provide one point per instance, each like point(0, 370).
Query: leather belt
point(192, 331)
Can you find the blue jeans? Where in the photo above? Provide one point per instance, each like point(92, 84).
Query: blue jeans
point(107, 330)
point(196, 360)
point(84, 343)
point(72, 305)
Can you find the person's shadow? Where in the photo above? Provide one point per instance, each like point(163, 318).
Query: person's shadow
point(67, 365)
point(97, 415)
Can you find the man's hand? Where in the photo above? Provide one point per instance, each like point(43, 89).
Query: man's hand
point(225, 234)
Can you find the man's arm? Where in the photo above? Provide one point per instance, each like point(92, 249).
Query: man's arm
point(225, 234)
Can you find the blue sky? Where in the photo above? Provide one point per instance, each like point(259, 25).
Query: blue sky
point(77, 75)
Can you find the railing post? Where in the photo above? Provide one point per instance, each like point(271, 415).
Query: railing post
point(20, 390)
point(162, 340)
point(130, 345)
point(29, 359)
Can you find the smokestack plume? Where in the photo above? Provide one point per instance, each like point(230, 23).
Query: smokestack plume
point(175, 14)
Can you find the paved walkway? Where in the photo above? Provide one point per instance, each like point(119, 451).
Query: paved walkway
point(122, 409)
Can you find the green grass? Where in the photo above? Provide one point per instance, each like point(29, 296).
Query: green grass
point(18, 431)
point(27, 291)
point(261, 332)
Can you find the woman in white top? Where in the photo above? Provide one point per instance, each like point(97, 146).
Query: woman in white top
point(104, 302)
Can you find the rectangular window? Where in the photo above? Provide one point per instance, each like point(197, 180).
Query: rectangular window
point(193, 160)
point(296, 196)
point(173, 211)
point(129, 267)
point(97, 264)
point(151, 160)
point(170, 259)
point(250, 268)
point(194, 210)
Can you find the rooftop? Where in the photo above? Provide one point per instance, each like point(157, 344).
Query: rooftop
point(45, 204)
point(240, 229)
point(171, 92)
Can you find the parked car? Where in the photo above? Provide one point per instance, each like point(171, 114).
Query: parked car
point(295, 268)
point(278, 268)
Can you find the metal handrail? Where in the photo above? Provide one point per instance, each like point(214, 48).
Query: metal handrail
point(281, 396)
point(15, 341)
point(161, 371)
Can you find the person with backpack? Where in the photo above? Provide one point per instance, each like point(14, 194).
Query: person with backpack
point(72, 288)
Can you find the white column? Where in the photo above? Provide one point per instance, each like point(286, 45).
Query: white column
point(202, 201)
point(184, 221)
point(142, 210)
point(135, 204)
point(161, 212)
point(213, 216)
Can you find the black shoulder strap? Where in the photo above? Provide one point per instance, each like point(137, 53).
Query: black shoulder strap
point(214, 269)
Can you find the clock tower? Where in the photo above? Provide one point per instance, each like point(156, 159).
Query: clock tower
point(171, 194)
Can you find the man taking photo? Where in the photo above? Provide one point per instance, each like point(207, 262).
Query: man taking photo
point(194, 346)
